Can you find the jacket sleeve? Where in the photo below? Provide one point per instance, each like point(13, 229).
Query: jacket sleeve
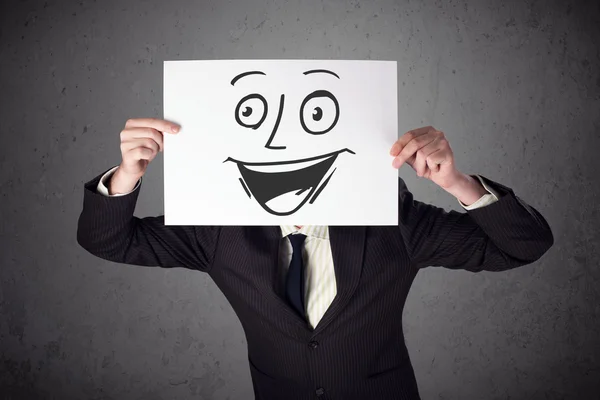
point(108, 229)
point(503, 235)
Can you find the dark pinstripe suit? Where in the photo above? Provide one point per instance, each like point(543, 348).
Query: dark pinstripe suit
point(357, 350)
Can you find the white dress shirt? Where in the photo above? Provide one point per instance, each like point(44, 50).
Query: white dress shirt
point(320, 285)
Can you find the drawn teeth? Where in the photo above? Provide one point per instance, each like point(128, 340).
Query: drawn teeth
point(283, 167)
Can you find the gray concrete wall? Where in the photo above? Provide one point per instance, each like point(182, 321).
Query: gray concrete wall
point(514, 84)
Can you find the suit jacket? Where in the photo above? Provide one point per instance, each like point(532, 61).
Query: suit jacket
point(357, 350)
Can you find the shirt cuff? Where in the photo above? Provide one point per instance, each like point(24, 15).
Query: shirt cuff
point(484, 200)
point(103, 190)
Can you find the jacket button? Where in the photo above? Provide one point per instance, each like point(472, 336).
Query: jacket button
point(313, 344)
point(320, 392)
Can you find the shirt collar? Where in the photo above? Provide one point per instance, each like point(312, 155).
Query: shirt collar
point(319, 231)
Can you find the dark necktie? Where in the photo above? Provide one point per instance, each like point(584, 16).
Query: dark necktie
point(294, 285)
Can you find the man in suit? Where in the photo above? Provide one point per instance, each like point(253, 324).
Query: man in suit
point(321, 306)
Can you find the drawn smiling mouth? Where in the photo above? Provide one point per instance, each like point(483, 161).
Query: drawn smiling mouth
point(283, 187)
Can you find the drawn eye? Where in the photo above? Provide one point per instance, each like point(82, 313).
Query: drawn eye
point(319, 112)
point(251, 111)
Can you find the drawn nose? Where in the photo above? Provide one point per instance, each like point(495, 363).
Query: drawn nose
point(276, 127)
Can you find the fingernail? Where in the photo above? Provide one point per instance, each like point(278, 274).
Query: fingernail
point(395, 163)
point(175, 128)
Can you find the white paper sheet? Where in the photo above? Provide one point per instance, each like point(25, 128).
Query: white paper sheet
point(270, 142)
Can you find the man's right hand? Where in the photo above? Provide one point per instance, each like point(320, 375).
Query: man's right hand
point(141, 140)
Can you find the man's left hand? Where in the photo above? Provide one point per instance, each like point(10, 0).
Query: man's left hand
point(428, 152)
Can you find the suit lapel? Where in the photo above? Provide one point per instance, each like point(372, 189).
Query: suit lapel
point(265, 260)
point(347, 248)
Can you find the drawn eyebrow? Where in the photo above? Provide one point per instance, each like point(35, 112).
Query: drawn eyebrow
point(325, 71)
point(243, 74)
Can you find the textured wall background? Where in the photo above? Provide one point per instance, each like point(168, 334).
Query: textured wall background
point(514, 84)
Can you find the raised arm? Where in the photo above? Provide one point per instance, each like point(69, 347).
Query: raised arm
point(498, 232)
point(107, 227)
point(506, 234)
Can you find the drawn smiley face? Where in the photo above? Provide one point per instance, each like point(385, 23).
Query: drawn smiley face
point(283, 187)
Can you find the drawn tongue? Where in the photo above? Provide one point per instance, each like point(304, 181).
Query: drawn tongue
point(266, 186)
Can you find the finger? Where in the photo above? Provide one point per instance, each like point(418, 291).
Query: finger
point(420, 165)
point(439, 157)
point(424, 129)
point(154, 123)
point(395, 149)
point(407, 137)
point(141, 153)
point(423, 160)
point(143, 142)
point(411, 148)
point(137, 133)
point(432, 164)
